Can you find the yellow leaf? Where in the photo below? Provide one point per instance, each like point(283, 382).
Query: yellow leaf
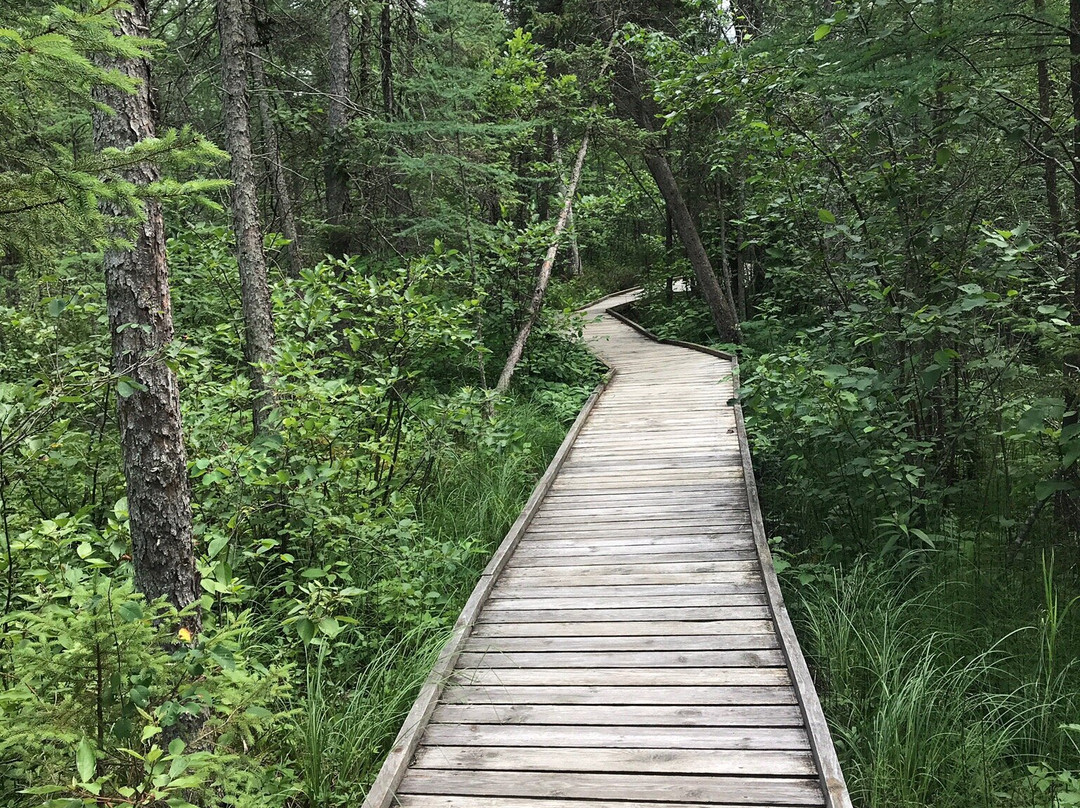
point(184, 634)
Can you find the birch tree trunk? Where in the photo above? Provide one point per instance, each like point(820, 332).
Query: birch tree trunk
point(251, 260)
point(575, 250)
point(536, 302)
point(282, 198)
point(141, 328)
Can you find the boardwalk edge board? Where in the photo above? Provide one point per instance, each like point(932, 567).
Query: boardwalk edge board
point(821, 743)
point(381, 793)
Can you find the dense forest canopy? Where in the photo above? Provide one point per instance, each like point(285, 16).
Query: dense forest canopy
point(287, 335)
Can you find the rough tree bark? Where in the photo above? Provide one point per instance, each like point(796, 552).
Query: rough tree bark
point(544, 276)
point(254, 280)
point(282, 197)
point(141, 328)
point(337, 179)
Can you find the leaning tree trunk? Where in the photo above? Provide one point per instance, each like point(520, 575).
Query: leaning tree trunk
point(337, 180)
point(282, 197)
point(141, 328)
point(632, 102)
point(544, 277)
point(575, 249)
point(721, 305)
point(254, 281)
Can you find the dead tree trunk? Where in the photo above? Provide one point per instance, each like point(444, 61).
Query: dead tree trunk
point(536, 302)
point(337, 179)
point(282, 198)
point(141, 328)
point(575, 250)
point(251, 260)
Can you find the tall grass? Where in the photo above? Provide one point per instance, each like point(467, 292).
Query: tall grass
point(344, 729)
point(926, 716)
point(344, 732)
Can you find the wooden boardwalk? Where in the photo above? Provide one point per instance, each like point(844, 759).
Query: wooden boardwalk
point(628, 644)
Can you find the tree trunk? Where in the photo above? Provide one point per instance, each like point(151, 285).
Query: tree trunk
point(575, 250)
point(251, 260)
point(282, 197)
point(1068, 509)
point(9, 272)
point(720, 302)
point(576, 267)
point(633, 103)
point(141, 328)
point(386, 60)
point(544, 277)
point(337, 180)
point(1050, 174)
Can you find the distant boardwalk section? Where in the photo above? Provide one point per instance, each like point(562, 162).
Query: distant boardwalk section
point(628, 646)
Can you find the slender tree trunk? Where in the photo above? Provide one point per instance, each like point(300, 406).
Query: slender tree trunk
point(719, 300)
point(337, 180)
point(282, 197)
point(544, 276)
point(575, 250)
point(576, 267)
point(9, 266)
point(633, 103)
point(1066, 504)
point(386, 59)
point(251, 260)
point(364, 47)
point(141, 328)
point(1050, 173)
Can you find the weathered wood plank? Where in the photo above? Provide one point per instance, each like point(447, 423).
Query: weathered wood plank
point(690, 642)
point(622, 677)
point(615, 567)
point(585, 610)
point(561, 557)
point(735, 790)
point(586, 759)
point(618, 737)
point(615, 715)
point(705, 696)
point(643, 594)
point(450, 801)
point(660, 628)
point(623, 659)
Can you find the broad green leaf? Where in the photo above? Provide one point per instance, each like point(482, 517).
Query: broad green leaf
point(306, 629)
point(86, 760)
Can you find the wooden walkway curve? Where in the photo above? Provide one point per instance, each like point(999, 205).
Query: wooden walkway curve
point(628, 644)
